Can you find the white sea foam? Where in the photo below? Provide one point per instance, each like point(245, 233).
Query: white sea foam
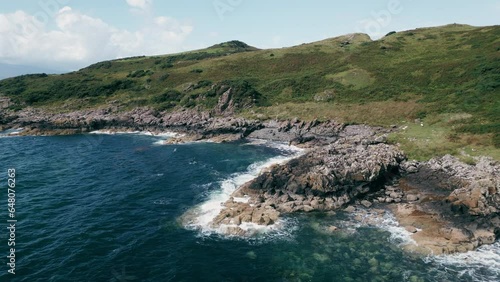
point(11, 132)
point(162, 135)
point(388, 222)
point(399, 235)
point(201, 217)
point(482, 264)
point(283, 147)
point(166, 134)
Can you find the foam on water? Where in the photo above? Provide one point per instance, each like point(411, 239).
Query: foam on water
point(482, 264)
point(283, 147)
point(166, 134)
point(399, 235)
point(163, 135)
point(201, 217)
point(11, 132)
point(387, 221)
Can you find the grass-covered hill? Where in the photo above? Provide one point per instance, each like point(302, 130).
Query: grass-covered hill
point(447, 77)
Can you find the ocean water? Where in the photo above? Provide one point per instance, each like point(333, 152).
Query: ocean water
point(109, 207)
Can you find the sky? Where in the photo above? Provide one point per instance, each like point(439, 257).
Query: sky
point(67, 35)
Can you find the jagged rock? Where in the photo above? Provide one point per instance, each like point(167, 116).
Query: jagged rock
point(366, 204)
point(350, 209)
point(458, 207)
point(410, 166)
point(412, 198)
point(395, 195)
point(308, 208)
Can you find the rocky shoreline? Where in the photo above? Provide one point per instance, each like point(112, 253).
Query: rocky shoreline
point(447, 205)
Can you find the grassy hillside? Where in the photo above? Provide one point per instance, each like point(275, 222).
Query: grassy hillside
point(447, 77)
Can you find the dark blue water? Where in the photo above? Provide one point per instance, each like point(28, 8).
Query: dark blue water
point(107, 208)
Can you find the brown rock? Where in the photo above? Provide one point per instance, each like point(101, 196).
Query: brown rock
point(411, 229)
point(350, 209)
point(366, 203)
point(308, 209)
point(412, 198)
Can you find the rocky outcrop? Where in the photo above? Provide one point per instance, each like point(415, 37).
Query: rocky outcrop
point(320, 180)
point(447, 206)
point(295, 132)
point(454, 205)
point(225, 105)
point(5, 102)
point(192, 122)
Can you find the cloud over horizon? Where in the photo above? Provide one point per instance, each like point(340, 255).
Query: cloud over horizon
point(72, 40)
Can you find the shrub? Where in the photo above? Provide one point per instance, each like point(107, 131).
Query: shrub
point(202, 83)
point(164, 77)
point(167, 66)
point(166, 106)
point(168, 96)
point(139, 73)
point(101, 65)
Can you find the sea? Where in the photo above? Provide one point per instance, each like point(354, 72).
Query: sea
point(112, 207)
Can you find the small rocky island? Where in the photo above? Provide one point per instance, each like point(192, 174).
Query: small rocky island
point(449, 206)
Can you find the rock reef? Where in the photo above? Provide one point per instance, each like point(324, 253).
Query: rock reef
point(323, 179)
point(455, 205)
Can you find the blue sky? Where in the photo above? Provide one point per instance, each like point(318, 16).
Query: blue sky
point(70, 34)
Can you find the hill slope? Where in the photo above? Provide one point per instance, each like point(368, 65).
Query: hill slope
point(447, 77)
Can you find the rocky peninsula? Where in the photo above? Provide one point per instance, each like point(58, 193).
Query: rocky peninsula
point(449, 206)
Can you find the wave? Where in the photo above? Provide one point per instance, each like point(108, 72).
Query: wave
point(167, 134)
point(386, 221)
point(280, 146)
point(399, 235)
point(200, 217)
point(162, 135)
point(482, 264)
point(11, 132)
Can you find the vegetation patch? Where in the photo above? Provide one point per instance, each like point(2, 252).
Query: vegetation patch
point(355, 78)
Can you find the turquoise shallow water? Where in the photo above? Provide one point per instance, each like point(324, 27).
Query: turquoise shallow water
point(107, 208)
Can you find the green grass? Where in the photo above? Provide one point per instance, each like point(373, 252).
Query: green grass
point(431, 73)
point(435, 135)
point(355, 78)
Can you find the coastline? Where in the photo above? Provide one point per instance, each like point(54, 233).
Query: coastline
point(447, 206)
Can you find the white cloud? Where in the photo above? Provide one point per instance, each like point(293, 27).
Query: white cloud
point(140, 4)
point(77, 40)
